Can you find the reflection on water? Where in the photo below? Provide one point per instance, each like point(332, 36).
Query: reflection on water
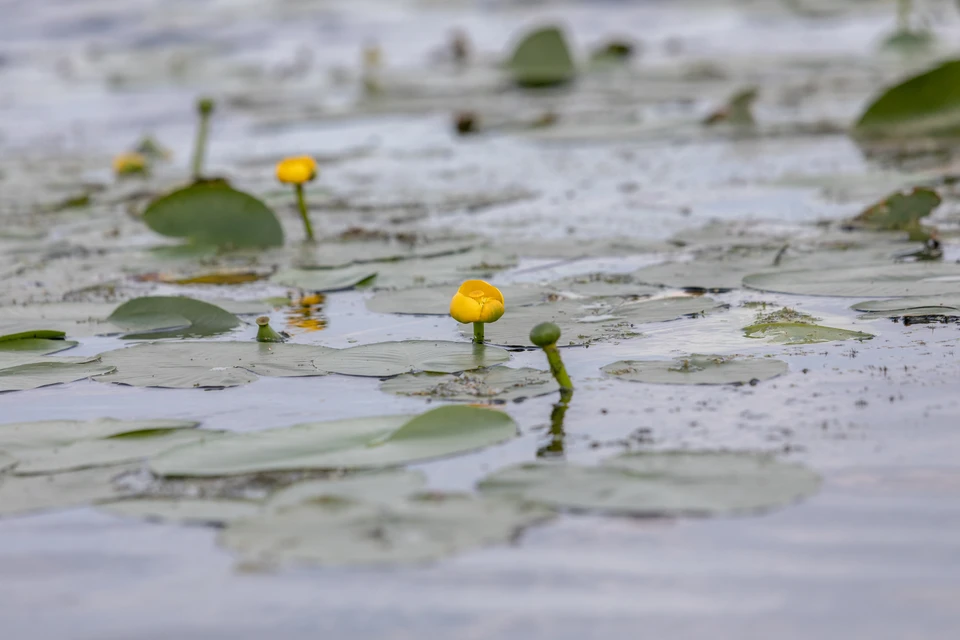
point(306, 313)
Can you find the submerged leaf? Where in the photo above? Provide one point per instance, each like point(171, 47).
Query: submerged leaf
point(703, 483)
point(357, 443)
point(214, 214)
point(698, 369)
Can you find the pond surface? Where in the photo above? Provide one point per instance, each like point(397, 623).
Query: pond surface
point(625, 170)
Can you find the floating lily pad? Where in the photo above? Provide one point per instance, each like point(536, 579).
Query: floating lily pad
point(710, 275)
point(601, 285)
point(189, 365)
point(214, 214)
point(698, 369)
point(498, 383)
point(171, 316)
point(911, 307)
point(114, 450)
point(56, 433)
point(925, 104)
point(325, 280)
point(900, 211)
point(586, 323)
point(480, 263)
point(20, 374)
point(703, 483)
point(185, 510)
point(25, 494)
point(327, 255)
point(75, 319)
point(876, 281)
point(801, 333)
point(38, 346)
point(357, 443)
point(542, 59)
point(435, 301)
point(384, 359)
point(419, 529)
point(384, 488)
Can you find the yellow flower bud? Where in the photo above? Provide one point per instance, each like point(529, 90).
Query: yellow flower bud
point(477, 301)
point(297, 170)
point(127, 164)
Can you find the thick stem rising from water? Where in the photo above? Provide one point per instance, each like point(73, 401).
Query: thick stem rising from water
point(200, 149)
point(302, 205)
point(478, 332)
point(559, 371)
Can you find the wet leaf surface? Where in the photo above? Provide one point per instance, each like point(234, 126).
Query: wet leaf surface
point(169, 316)
point(698, 369)
point(19, 373)
point(382, 359)
point(875, 281)
point(501, 384)
point(801, 333)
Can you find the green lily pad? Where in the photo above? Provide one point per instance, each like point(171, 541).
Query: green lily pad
point(498, 383)
point(701, 483)
point(215, 214)
point(435, 301)
point(872, 281)
point(18, 373)
point(698, 369)
point(38, 346)
point(170, 316)
point(206, 365)
point(384, 359)
point(900, 211)
point(709, 275)
point(212, 511)
point(75, 319)
point(801, 333)
point(542, 59)
point(924, 105)
point(582, 323)
point(26, 494)
point(105, 452)
point(911, 307)
point(601, 285)
point(420, 529)
point(357, 443)
point(326, 280)
point(56, 433)
point(383, 488)
point(328, 255)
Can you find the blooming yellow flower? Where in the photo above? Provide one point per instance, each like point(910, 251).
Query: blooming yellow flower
point(297, 170)
point(127, 164)
point(477, 301)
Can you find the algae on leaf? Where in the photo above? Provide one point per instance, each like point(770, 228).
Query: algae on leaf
point(215, 214)
point(926, 104)
point(802, 333)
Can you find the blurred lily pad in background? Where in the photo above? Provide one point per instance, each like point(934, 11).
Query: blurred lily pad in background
point(698, 369)
point(923, 105)
point(542, 59)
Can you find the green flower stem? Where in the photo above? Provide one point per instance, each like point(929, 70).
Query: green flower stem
point(265, 332)
point(302, 204)
point(558, 370)
point(200, 149)
point(478, 332)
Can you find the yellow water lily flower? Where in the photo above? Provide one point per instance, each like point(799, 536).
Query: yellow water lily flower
point(297, 170)
point(127, 164)
point(477, 301)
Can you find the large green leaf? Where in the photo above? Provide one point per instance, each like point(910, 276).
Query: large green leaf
point(925, 104)
point(499, 384)
point(56, 433)
point(190, 365)
point(31, 372)
point(872, 281)
point(357, 443)
point(663, 483)
point(171, 316)
point(383, 359)
point(215, 214)
point(542, 59)
point(698, 369)
point(801, 333)
point(25, 494)
point(419, 529)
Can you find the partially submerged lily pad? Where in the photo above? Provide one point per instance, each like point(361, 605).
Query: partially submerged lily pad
point(801, 333)
point(340, 532)
point(542, 59)
point(872, 281)
point(498, 383)
point(19, 373)
point(701, 483)
point(382, 359)
point(206, 365)
point(900, 211)
point(925, 104)
point(171, 316)
point(326, 280)
point(214, 214)
point(698, 369)
point(356, 443)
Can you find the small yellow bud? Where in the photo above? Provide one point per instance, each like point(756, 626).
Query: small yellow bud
point(297, 170)
point(129, 164)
